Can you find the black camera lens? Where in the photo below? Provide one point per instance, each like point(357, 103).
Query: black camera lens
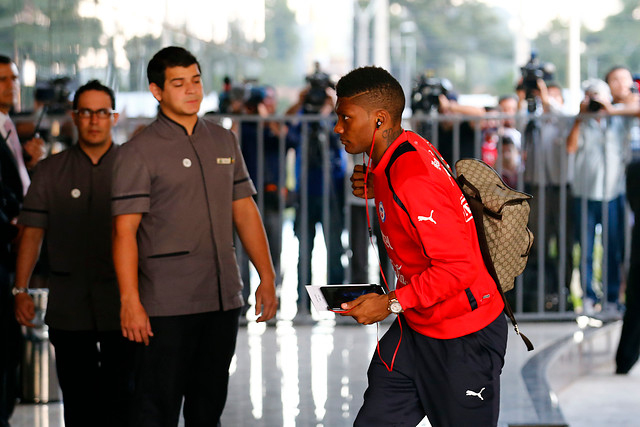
point(595, 106)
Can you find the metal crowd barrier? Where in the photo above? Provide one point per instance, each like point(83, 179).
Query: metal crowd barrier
point(554, 280)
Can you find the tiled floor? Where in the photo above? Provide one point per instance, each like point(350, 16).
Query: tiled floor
point(313, 374)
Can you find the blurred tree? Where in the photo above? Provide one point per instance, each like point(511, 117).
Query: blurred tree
point(49, 32)
point(552, 45)
point(467, 42)
point(615, 44)
point(280, 47)
point(139, 51)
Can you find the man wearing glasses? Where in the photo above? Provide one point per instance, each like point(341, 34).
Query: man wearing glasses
point(69, 200)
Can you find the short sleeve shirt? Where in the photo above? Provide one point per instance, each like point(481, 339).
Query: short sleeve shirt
point(601, 158)
point(70, 197)
point(184, 186)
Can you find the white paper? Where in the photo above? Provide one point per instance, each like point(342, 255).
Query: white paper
point(315, 294)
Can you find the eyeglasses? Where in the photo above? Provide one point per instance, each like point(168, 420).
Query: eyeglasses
point(86, 113)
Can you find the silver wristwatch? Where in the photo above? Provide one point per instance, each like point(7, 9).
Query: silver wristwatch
point(394, 306)
point(15, 291)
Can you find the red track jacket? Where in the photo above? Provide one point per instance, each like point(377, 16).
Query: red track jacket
point(428, 230)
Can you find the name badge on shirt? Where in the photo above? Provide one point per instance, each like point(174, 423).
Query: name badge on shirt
point(225, 160)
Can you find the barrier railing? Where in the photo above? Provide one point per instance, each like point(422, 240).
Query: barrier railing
point(312, 186)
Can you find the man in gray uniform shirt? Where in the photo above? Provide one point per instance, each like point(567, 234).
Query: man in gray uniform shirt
point(180, 187)
point(70, 200)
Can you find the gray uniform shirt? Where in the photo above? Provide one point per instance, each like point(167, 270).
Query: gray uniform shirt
point(601, 158)
point(184, 187)
point(70, 197)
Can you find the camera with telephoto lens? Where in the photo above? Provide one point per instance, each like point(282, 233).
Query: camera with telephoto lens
point(54, 94)
point(534, 70)
point(316, 97)
point(424, 96)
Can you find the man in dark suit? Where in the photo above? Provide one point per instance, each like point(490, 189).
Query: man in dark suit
point(14, 181)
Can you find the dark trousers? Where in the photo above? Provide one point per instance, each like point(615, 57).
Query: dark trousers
point(334, 243)
point(614, 246)
point(272, 221)
point(95, 375)
point(454, 382)
point(553, 283)
point(629, 347)
point(10, 347)
point(187, 357)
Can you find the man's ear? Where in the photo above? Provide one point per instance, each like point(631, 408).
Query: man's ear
point(383, 117)
point(155, 91)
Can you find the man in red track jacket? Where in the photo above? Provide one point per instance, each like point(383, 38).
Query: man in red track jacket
point(443, 355)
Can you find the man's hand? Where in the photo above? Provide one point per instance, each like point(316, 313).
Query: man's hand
point(34, 148)
point(266, 301)
point(134, 322)
point(367, 309)
point(444, 105)
point(357, 183)
point(24, 309)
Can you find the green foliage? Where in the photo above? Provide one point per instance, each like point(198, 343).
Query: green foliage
point(280, 45)
point(139, 51)
point(51, 33)
point(615, 44)
point(467, 42)
point(552, 46)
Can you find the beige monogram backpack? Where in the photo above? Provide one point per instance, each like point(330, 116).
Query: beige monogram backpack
point(505, 216)
point(501, 215)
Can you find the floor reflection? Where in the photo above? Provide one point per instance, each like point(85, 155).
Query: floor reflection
point(310, 375)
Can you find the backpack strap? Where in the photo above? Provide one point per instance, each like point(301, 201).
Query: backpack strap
point(477, 209)
point(403, 148)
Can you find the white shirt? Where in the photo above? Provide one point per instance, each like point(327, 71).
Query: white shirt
point(22, 169)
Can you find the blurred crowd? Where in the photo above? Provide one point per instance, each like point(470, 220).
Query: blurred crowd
point(573, 166)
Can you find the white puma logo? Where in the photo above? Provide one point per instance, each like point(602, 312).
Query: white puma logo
point(478, 394)
point(427, 218)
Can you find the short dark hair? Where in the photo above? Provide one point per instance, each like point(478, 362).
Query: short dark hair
point(503, 98)
point(93, 85)
point(5, 60)
point(615, 68)
point(383, 89)
point(172, 56)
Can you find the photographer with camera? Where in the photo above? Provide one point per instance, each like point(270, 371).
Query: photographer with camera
point(322, 147)
point(533, 72)
point(599, 138)
point(434, 96)
point(548, 173)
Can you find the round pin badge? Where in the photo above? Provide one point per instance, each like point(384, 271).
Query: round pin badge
point(381, 212)
point(75, 193)
point(186, 163)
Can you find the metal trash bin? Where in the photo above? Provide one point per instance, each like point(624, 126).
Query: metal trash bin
point(38, 376)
